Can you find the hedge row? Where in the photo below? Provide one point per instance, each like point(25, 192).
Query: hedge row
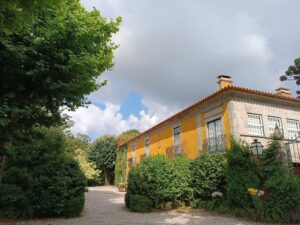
point(234, 183)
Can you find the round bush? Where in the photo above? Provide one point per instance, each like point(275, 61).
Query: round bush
point(208, 175)
point(45, 180)
point(161, 180)
point(139, 203)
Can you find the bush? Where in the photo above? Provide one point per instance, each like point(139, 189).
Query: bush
point(282, 188)
point(208, 175)
point(127, 199)
point(49, 181)
point(139, 203)
point(282, 197)
point(12, 198)
point(241, 174)
point(161, 180)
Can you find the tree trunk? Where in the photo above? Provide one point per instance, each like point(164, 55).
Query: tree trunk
point(4, 145)
point(106, 183)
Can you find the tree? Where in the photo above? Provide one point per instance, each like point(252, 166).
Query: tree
point(15, 13)
point(103, 154)
point(51, 64)
point(49, 182)
point(293, 73)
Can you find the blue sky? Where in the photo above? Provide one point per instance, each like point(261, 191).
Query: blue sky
point(171, 52)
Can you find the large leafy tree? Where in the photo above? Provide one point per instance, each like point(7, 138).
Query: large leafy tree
point(15, 13)
point(103, 155)
point(293, 73)
point(51, 64)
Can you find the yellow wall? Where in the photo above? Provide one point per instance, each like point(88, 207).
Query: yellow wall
point(189, 137)
point(226, 123)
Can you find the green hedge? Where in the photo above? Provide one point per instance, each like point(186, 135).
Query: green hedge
point(139, 203)
point(235, 183)
point(40, 180)
point(161, 180)
point(208, 175)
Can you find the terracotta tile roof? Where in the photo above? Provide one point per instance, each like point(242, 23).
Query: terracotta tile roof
point(209, 97)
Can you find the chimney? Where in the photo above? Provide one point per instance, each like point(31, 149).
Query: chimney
point(224, 81)
point(284, 92)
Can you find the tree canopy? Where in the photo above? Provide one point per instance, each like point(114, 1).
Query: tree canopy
point(293, 73)
point(52, 63)
point(103, 154)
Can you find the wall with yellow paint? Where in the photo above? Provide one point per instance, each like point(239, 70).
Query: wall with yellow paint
point(162, 137)
point(189, 137)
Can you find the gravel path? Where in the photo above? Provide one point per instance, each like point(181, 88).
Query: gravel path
point(105, 205)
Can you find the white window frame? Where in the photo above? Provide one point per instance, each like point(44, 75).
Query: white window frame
point(273, 126)
point(293, 133)
point(133, 153)
point(252, 126)
point(177, 139)
point(147, 147)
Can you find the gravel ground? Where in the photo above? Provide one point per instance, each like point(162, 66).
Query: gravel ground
point(105, 205)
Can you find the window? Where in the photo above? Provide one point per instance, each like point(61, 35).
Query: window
point(293, 128)
point(147, 147)
point(133, 153)
point(273, 121)
point(255, 124)
point(216, 139)
point(177, 140)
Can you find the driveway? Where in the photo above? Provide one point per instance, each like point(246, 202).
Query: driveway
point(105, 205)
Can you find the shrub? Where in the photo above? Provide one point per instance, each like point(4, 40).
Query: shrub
point(49, 181)
point(241, 174)
point(12, 198)
point(208, 175)
point(282, 197)
point(127, 199)
point(139, 203)
point(161, 180)
point(282, 188)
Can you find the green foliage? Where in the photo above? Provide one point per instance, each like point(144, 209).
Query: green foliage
point(52, 63)
point(241, 174)
point(293, 73)
point(121, 159)
point(127, 199)
point(121, 165)
point(12, 198)
point(141, 204)
point(103, 154)
point(208, 175)
point(161, 180)
point(127, 135)
point(270, 163)
point(49, 180)
point(282, 188)
point(283, 196)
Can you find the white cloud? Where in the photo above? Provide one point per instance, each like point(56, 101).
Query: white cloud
point(96, 122)
point(171, 52)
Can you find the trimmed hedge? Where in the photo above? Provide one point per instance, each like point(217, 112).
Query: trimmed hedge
point(139, 203)
point(161, 180)
point(235, 183)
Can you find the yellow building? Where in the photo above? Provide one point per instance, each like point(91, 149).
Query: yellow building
point(208, 124)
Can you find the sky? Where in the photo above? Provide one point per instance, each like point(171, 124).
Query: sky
point(171, 52)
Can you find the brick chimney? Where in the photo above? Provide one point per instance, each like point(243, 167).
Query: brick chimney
point(285, 92)
point(224, 81)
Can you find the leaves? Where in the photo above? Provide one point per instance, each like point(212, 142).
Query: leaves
point(52, 62)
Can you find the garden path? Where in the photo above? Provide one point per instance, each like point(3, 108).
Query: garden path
point(105, 205)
